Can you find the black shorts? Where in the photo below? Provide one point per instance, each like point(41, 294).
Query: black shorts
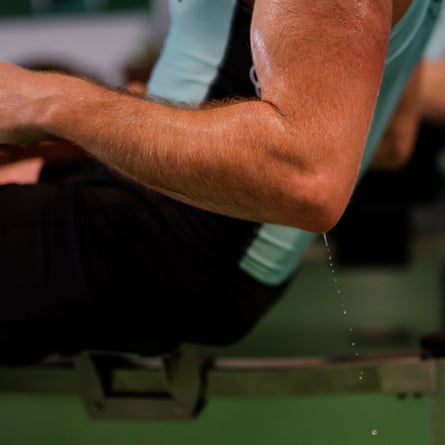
point(91, 260)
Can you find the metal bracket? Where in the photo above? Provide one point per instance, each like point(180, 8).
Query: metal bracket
point(173, 385)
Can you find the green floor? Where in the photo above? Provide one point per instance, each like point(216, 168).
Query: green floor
point(337, 421)
point(388, 310)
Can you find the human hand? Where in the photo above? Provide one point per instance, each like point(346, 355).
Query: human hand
point(20, 89)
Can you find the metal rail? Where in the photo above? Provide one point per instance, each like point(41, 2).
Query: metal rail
point(177, 386)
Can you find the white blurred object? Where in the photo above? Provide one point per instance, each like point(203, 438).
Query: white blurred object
point(96, 44)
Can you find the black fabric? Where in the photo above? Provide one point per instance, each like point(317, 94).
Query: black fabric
point(90, 260)
point(233, 76)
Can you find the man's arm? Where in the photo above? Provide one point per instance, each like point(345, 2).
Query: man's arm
point(398, 142)
point(290, 158)
point(433, 91)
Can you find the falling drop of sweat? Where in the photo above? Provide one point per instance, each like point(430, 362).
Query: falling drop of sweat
point(339, 293)
point(361, 376)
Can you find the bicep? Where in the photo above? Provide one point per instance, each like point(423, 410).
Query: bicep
point(320, 64)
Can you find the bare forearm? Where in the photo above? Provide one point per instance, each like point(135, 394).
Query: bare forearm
point(228, 159)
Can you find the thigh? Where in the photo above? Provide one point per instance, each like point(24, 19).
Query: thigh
point(74, 260)
point(90, 260)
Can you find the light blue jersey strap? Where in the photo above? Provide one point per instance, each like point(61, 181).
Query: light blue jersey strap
point(188, 62)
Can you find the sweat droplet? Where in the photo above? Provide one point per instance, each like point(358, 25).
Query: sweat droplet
point(340, 296)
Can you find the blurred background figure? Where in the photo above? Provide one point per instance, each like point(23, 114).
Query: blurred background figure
point(393, 202)
point(433, 80)
point(397, 212)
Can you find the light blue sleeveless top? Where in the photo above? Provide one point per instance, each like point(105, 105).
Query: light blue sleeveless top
point(188, 64)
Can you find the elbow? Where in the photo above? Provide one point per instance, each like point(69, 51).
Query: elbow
point(312, 195)
point(394, 156)
point(319, 207)
point(324, 215)
point(396, 147)
point(402, 152)
point(398, 162)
